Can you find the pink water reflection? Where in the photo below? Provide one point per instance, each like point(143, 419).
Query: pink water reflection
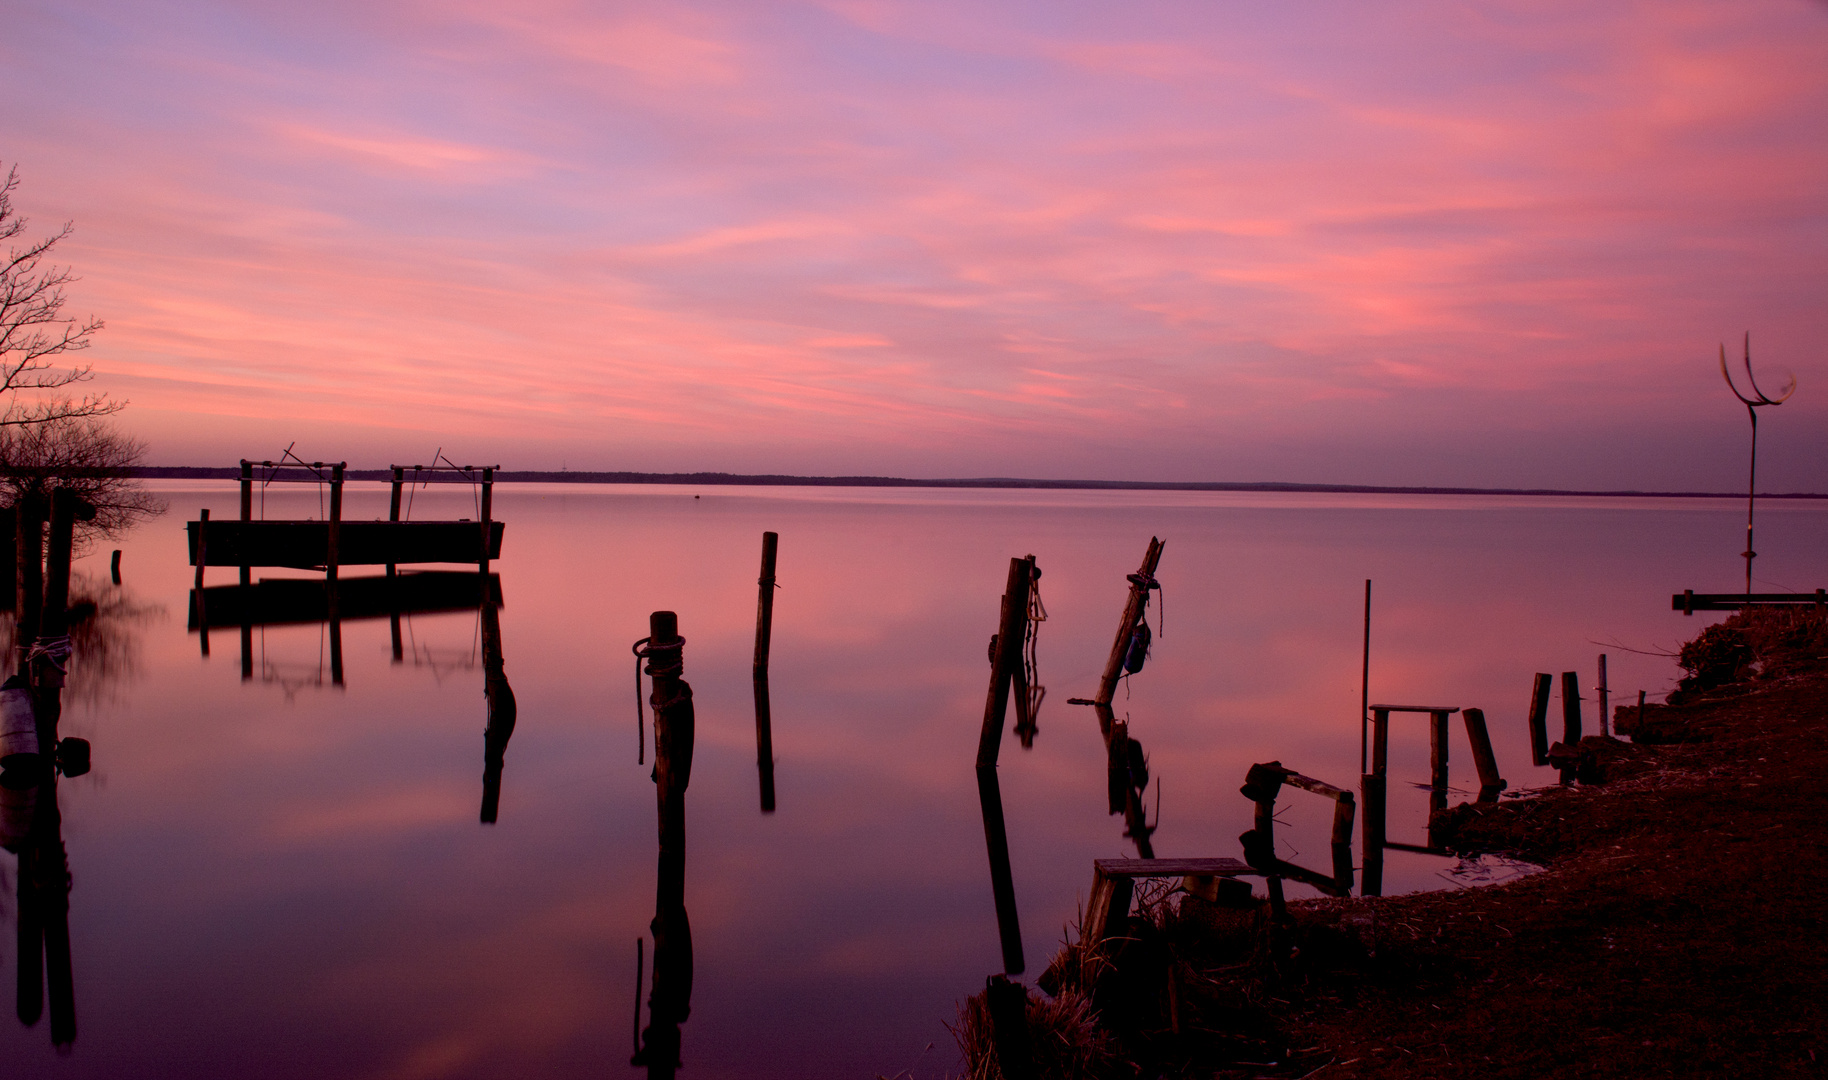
point(286, 878)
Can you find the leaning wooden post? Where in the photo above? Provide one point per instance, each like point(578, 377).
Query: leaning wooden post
point(1539, 718)
point(1132, 611)
point(1004, 658)
point(764, 607)
point(1490, 782)
point(764, 742)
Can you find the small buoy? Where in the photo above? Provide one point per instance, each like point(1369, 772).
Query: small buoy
point(73, 756)
point(694, 496)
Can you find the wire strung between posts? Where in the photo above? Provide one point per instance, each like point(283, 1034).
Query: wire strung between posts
point(645, 649)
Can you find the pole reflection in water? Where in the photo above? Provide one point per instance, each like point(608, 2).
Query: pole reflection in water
point(501, 712)
point(670, 1001)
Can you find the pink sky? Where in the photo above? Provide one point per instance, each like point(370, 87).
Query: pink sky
point(1411, 243)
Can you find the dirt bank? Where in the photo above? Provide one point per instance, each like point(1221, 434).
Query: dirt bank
point(1679, 929)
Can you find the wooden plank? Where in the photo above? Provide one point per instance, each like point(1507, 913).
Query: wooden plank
point(1318, 787)
point(1694, 601)
point(297, 601)
point(1412, 708)
point(1166, 868)
point(306, 544)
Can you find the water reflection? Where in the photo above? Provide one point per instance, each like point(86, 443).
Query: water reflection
point(502, 712)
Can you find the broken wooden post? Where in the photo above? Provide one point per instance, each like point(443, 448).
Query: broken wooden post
point(1133, 610)
point(1483, 759)
point(764, 605)
point(1539, 718)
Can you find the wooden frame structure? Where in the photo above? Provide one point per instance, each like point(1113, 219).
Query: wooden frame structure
point(1374, 784)
point(1261, 786)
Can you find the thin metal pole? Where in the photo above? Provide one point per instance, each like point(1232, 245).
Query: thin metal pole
point(1364, 685)
point(1751, 495)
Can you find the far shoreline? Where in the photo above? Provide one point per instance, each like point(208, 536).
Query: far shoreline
point(720, 479)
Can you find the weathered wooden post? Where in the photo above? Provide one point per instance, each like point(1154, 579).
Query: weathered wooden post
point(247, 514)
point(488, 509)
point(1005, 658)
point(764, 742)
point(1539, 718)
point(333, 556)
point(674, 735)
point(114, 566)
point(202, 558)
point(47, 672)
point(1372, 785)
point(1140, 584)
point(1437, 751)
point(1605, 716)
point(393, 514)
point(1570, 708)
point(764, 607)
point(1490, 782)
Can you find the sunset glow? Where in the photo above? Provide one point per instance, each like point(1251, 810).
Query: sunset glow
point(1411, 243)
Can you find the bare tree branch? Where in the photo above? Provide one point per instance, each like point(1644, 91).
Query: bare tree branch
point(36, 337)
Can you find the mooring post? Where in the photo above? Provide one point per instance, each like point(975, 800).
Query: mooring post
point(1140, 583)
point(488, 510)
point(54, 626)
point(1539, 717)
point(1605, 715)
point(393, 514)
point(114, 566)
point(675, 732)
point(764, 605)
point(29, 563)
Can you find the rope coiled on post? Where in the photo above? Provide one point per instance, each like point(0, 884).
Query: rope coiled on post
point(53, 650)
point(645, 649)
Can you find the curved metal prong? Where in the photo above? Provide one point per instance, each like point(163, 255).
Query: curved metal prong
point(1763, 398)
point(1728, 376)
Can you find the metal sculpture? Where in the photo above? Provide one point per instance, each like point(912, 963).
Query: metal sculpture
point(1752, 404)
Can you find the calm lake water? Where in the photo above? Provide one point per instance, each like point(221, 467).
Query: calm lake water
point(282, 877)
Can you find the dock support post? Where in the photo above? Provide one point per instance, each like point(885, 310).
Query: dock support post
point(247, 514)
point(488, 509)
point(393, 514)
point(1539, 718)
point(333, 557)
point(1372, 785)
point(1437, 752)
point(202, 558)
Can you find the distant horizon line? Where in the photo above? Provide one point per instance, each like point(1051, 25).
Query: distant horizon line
point(723, 479)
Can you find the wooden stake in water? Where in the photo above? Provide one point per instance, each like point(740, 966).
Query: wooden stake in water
point(1364, 683)
point(1605, 717)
